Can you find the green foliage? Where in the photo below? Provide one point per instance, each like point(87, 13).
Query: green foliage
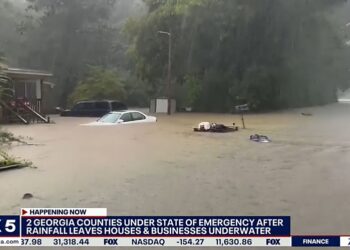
point(291, 57)
point(191, 91)
point(7, 161)
point(262, 88)
point(98, 84)
point(64, 36)
point(2, 58)
point(270, 53)
point(6, 89)
point(136, 92)
point(8, 138)
point(11, 15)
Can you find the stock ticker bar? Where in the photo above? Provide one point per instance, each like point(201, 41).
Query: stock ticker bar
point(70, 227)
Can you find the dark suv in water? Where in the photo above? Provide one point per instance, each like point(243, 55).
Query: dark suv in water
point(94, 108)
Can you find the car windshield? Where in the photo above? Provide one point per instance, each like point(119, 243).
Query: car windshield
point(110, 118)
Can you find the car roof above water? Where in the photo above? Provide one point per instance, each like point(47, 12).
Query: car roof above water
point(125, 111)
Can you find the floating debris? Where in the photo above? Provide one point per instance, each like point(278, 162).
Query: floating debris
point(12, 166)
point(260, 138)
point(27, 196)
point(215, 127)
point(8, 162)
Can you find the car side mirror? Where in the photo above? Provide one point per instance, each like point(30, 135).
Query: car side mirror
point(120, 121)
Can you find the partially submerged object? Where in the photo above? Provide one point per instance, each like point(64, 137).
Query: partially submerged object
point(122, 118)
point(27, 196)
point(306, 114)
point(12, 166)
point(215, 128)
point(260, 138)
point(93, 108)
point(242, 109)
point(7, 162)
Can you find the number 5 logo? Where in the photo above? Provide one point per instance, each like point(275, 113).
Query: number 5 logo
point(10, 226)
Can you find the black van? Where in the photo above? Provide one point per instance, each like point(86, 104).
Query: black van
point(94, 108)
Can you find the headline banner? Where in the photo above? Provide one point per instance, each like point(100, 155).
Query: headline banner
point(155, 226)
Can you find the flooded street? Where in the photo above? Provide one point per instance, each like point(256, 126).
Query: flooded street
point(166, 169)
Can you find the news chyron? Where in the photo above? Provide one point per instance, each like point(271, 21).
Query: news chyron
point(92, 227)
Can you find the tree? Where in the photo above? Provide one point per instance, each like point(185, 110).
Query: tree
point(287, 58)
point(64, 36)
point(98, 84)
point(10, 16)
point(270, 53)
point(71, 34)
point(2, 57)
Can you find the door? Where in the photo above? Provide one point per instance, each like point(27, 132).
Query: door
point(138, 117)
point(127, 118)
point(101, 108)
point(83, 109)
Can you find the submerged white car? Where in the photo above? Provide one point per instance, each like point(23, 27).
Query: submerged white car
point(122, 117)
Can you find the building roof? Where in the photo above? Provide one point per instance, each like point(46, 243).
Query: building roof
point(27, 74)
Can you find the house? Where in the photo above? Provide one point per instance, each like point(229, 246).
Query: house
point(32, 95)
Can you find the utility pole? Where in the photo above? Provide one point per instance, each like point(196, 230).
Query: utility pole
point(169, 87)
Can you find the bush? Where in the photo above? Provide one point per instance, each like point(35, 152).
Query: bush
point(98, 84)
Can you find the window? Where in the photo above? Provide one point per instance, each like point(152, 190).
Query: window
point(102, 105)
point(84, 106)
point(118, 106)
point(110, 118)
point(136, 116)
point(78, 106)
point(126, 117)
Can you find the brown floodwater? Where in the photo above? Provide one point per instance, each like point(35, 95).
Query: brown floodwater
point(166, 169)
